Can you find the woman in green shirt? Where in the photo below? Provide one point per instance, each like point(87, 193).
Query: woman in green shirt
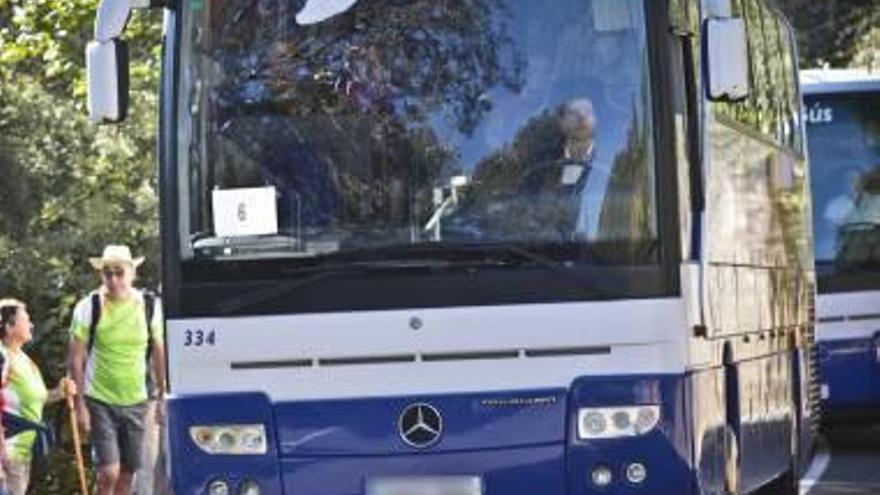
point(24, 393)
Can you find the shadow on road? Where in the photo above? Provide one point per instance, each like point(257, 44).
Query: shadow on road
point(854, 436)
point(855, 460)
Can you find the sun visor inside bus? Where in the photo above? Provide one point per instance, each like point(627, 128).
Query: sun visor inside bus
point(316, 11)
point(612, 15)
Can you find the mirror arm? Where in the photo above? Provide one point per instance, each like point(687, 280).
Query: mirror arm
point(113, 16)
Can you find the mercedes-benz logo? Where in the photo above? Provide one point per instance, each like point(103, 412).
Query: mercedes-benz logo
point(420, 425)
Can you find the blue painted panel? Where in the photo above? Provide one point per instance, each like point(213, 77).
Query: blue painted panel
point(852, 373)
point(470, 422)
point(520, 471)
point(666, 452)
point(192, 469)
point(346, 440)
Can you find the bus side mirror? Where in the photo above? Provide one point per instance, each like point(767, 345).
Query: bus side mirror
point(107, 73)
point(727, 59)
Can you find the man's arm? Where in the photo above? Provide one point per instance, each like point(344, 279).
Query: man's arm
point(157, 351)
point(76, 365)
point(157, 359)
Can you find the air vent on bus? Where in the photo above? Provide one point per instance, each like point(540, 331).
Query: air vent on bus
point(843, 318)
point(440, 357)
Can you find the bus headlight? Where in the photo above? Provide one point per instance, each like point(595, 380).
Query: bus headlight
point(230, 439)
point(616, 422)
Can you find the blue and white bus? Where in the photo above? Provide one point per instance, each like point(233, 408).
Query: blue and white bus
point(843, 126)
point(480, 247)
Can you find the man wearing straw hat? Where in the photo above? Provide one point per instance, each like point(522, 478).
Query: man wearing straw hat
point(115, 332)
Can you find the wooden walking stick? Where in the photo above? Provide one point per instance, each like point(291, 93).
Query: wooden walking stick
point(77, 448)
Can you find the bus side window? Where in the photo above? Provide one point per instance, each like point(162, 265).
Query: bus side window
point(786, 128)
point(760, 101)
point(792, 112)
point(771, 109)
point(776, 82)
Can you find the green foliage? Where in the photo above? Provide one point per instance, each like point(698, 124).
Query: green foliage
point(836, 33)
point(69, 187)
point(75, 188)
point(47, 39)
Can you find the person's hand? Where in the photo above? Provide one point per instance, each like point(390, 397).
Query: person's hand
point(83, 418)
point(67, 388)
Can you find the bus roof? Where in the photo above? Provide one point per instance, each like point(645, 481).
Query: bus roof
point(820, 81)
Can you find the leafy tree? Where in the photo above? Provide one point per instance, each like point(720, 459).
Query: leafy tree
point(837, 33)
point(46, 39)
point(69, 187)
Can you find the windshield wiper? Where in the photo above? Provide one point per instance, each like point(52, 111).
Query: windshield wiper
point(860, 226)
point(560, 268)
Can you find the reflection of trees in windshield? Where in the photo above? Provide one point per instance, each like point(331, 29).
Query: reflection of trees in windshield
point(517, 191)
point(628, 207)
point(391, 59)
point(535, 187)
point(362, 121)
point(347, 101)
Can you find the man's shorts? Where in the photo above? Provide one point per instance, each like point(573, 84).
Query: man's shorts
point(118, 434)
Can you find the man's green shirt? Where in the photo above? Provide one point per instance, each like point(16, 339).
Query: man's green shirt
point(116, 367)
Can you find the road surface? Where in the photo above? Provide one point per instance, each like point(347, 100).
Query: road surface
point(848, 463)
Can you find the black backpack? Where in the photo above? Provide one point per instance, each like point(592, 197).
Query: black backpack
point(149, 308)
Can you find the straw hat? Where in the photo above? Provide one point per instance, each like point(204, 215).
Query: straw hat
point(115, 255)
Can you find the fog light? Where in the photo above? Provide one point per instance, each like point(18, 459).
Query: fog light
point(601, 476)
point(249, 487)
point(636, 473)
point(218, 487)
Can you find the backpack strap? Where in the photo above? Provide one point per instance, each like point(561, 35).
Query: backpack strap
point(14, 424)
point(149, 309)
point(96, 317)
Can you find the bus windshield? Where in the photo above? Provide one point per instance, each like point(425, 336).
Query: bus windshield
point(844, 142)
point(314, 128)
